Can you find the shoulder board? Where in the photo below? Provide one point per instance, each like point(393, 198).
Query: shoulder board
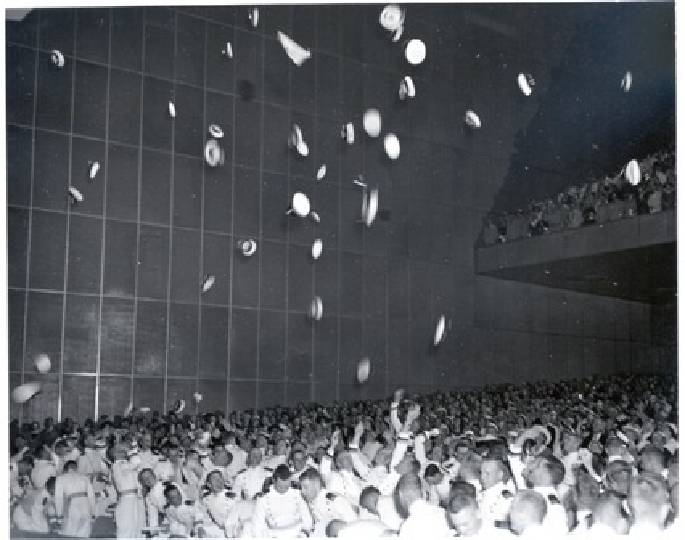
point(229, 494)
point(507, 494)
point(241, 472)
point(188, 503)
point(268, 469)
point(331, 496)
point(553, 499)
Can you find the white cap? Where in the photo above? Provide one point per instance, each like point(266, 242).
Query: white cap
point(347, 133)
point(296, 140)
point(317, 248)
point(94, 167)
point(472, 119)
point(42, 362)
point(253, 15)
point(415, 51)
point(57, 58)
point(525, 83)
point(214, 154)
point(321, 173)
point(208, 283)
point(392, 146)
point(216, 131)
point(633, 172)
point(300, 204)
point(75, 194)
point(21, 394)
point(392, 17)
point(172, 109)
point(248, 247)
point(439, 331)
point(372, 122)
point(316, 308)
point(627, 81)
point(295, 51)
point(197, 396)
point(407, 88)
point(363, 369)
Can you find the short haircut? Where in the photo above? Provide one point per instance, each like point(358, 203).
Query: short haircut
point(555, 468)
point(282, 472)
point(533, 501)
point(461, 501)
point(431, 470)
point(71, 464)
point(366, 494)
point(310, 474)
point(462, 487)
point(648, 491)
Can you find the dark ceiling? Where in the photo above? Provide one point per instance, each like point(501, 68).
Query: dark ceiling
point(586, 125)
point(646, 274)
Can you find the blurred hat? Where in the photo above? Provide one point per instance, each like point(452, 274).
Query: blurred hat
point(294, 50)
point(472, 119)
point(415, 51)
point(526, 83)
point(627, 81)
point(363, 369)
point(439, 331)
point(372, 122)
point(208, 283)
point(42, 362)
point(317, 248)
point(24, 392)
point(296, 140)
point(407, 88)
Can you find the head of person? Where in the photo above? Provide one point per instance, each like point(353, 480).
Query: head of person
point(617, 477)
point(464, 515)
point(261, 442)
point(220, 456)
point(298, 460)
point(587, 490)
point(433, 474)
point(492, 471)
point(89, 441)
point(343, 461)
point(246, 444)
point(281, 447)
point(608, 511)
point(147, 478)
point(311, 484)
point(570, 442)
point(254, 457)
point(437, 453)
point(544, 471)
point(215, 481)
point(461, 487)
point(173, 495)
point(369, 499)
point(61, 448)
point(334, 527)
point(281, 478)
point(70, 466)
point(528, 509)
point(648, 499)
point(146, 441)
point(383, 457)
point(652, 459)
point(407, 491)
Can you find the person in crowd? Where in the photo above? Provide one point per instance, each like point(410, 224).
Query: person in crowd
point(324, 505)
point(422, 518)
point(527, 513)
point(74, 501)
point(249, 482)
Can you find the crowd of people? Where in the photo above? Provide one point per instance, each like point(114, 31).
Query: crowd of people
point(594, 202)
point(592, 457)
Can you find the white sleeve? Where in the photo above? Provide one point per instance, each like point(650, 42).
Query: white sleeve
point(359, 466)
point(394, 419)
point(259, 519)
point(420, 452)
point(59, 495)
point(398, 453)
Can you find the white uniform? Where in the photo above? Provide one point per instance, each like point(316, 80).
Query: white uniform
point(184, 519)
point(227, 472)
point(93, 465)
point(363, 528)
point(387, 512)
point(130, 511)
point(555, 520)
point(29, 514)
point(239, 458)
point(281, 515)
point(250, 481)
point(425, 521)
point(328, 506)
point(75, 500)
point(345, 483)
point(148, 459)
point(439, 493)
point(43, 469)
point(216, 508)
point(494, 503)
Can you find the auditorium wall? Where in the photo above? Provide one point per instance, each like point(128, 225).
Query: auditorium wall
point(110, 288)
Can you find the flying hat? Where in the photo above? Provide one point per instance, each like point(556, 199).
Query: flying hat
point(347, 132)
point(76, 195)
point(214, 154)
point(300, 205)
point(253, 16)
point(392, 146)
point(317, 247)
point(227, 51)
point(632, 172)
point(295, 51)
point(129, 409)
point(208, 283)
point(247, 247)
point(439, 331)
point(415, 51)
point(369, 206)
point(179, 406)
point(526, 83)
point(24, 392)
point(93, 168)
point(316, 308)
point(296, 140)
point(57, 58)
point(315, 216)
point(407, 88)
point(197, 397)
point(372, 122)
point(42, 363)
point(391, 17)
point(363, 369)
point(172, 109)
point(627, 81)
point(216, 131)
point(472, 119)
point(321, 173)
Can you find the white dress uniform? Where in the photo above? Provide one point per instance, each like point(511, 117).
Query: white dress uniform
point(250, 481)
point(154, 504)
point(363, 528)
point(439, 493)
point(148, 459)
point(43, 469)
point(184, 519)
point(425, 521)
point(93, 465)
point(216, 508)
point(494, 503)
point(239, 458)
point(75, 500)
point(29, 515)
point(328, 506)
point(130, 510)
point(281, 515)
point(345, 483)
point(226, 472)
point(239, 521)
point(387, 512)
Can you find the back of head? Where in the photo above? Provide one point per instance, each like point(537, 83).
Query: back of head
point(408, 490)
point(369, 498)
point(282, 473)
point(648, 499)
point(463, 488)
point(528, 508)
